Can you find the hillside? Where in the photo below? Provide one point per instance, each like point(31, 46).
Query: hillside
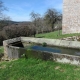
point(56, 35)
point(5, 23)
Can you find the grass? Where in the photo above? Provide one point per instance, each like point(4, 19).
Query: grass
point(1, 49)
point(55, 35)
point(33, 69)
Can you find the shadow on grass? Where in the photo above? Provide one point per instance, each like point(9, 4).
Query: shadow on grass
point(40, 37)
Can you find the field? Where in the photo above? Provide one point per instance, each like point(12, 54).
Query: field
point(56, 35)
point(33, 69)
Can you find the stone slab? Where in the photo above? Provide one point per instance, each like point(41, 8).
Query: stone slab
point(64, 43)
point(74, 44)
point(57, 42)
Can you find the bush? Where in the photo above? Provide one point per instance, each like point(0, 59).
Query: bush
point(2, 37)
point(44, 44)
point(17, 31)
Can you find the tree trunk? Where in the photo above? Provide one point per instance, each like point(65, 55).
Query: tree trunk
point(52, 27)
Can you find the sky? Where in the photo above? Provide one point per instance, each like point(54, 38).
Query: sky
point(19, 10)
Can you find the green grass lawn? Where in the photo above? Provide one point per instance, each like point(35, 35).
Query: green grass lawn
point(33, 69)
point(1, 49)
point(55, 35)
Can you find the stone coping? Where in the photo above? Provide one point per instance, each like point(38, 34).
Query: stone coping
point(51, 42)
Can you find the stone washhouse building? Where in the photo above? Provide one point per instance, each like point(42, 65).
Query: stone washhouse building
point(71, 16)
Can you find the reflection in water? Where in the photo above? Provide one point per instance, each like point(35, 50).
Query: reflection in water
point(40, 48)
point(57, 50)
point(77, 53)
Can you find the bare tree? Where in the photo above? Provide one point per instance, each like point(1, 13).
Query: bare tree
point(59, 23)
point(51, 17)
point(35, 20)
point(2, 8)
point(4, 20)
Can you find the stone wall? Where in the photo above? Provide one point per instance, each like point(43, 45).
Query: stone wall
point(71, 16)
point(10, 51)
point(44, 55)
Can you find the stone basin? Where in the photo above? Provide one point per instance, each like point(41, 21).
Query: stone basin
point(14, 48)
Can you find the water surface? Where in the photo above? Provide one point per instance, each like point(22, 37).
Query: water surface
point(60, 50)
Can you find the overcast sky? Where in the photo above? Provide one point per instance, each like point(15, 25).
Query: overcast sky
point(19, 10)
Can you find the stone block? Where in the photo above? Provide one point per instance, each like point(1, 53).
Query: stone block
point(71, 16)
point(74, 44)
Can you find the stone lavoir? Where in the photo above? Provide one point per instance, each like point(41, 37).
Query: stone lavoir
point(16, 47)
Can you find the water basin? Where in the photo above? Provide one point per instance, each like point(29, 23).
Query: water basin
point(54, 49)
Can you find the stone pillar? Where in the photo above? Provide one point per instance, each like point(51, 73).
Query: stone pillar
point(5, 50)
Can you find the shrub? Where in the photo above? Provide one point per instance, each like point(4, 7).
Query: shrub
point(17, 31)
point(28, 53)
point(44, 44)
point(2, 37)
